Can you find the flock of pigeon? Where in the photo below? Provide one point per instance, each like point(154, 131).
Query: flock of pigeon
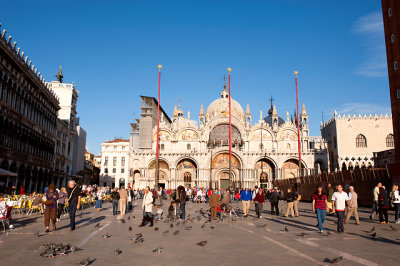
point(53, 249)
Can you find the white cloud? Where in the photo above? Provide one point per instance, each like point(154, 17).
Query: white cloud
point(363, 108)
point(371, 32)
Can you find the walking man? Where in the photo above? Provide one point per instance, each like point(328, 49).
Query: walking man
point(214, 202)
point(290, 199)
point(123, 199)
point(245, 195)
point(375, 194)
point(115, 200)
point(339, 199)
point(182, 201)
point(74, 201)
point(274, 198)
point(320, 207)
point(352, 206)
point(259, 203)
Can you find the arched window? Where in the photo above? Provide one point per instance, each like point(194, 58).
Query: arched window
point(361, 141)
point(389, 140)
point(188, 146)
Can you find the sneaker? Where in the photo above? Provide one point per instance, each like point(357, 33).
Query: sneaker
point(321, 231)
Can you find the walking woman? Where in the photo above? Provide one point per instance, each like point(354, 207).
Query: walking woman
point(320, 207)
point(396, 203)
point(147, 206)
point(51, 207)
point(383, 205)
point(99, 199)
point(61, 202)
point(259, 203)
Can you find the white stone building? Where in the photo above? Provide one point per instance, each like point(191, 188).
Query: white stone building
point(352, 140)
point(114, 169)
point(192, 154)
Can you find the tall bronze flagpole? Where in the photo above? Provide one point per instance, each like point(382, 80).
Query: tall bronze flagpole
point(158, 130)
point(230, 131)
point(298, 123)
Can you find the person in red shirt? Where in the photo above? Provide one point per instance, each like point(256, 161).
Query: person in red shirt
point(259, 203)
point(22, 190)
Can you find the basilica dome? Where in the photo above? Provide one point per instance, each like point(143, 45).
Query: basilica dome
point(221, 107)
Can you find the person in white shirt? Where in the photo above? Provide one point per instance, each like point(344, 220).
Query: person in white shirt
point(339, 199)
point(147, 206)
point(396, 202)
point(3, 206)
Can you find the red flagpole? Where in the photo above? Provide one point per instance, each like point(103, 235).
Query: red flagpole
point(298, 123)
point(230, 130)
point(158, 127)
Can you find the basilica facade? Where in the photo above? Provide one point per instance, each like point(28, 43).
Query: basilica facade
point(197, 153)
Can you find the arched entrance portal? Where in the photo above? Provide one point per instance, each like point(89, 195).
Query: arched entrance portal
point(163, 172)
point(265, 171)
point(187, 173)
point(220, 171)
point(290, 168)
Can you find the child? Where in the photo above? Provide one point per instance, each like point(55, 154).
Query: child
point(171, 210)
point(159, 213)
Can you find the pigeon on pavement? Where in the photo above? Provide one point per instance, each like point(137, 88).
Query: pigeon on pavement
point(117, 251)
point(84, 262)
point(97, 225)
point(202, 243)
point(286, 229)
point(176, 233)
point(166, 232)
point(158, 250)
point(130, 228)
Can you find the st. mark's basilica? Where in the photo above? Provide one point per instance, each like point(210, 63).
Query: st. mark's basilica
point(197, 154)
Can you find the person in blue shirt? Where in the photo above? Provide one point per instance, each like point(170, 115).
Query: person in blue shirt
point(245, 195)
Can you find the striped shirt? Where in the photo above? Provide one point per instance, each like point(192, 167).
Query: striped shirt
point(320, 201)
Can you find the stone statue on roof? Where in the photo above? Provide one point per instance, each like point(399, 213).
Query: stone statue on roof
point(60, 76)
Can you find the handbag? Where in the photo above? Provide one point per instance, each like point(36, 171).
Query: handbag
point(49, 202)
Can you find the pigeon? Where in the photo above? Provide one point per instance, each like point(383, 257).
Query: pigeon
point(139, 235)
point(171, 225)
point(337, 260)
point(374, 235)
point(117, 251)
point(133, 217)
point(202, 243)
point(263, 226)
point(123, 221)
point(198, 218)
point(156, 228)
point(188, 228)
point(97, 225)
point(84, 262)
point(233, 219)
point(329, 233)
point(212, 226)
point(80, 215)
point(140, 240)
point(166, 232)
point(203, 225)
point(286, 229)
point(393, 229)
point(176, 233)
point(157, 250)
point(48, 253)
point(130, 228)
point(37, 234)
point(129, 218)
point(166, 221)
point(372, 229)
point(106, 236)
point(178, 223)
point(73, 249)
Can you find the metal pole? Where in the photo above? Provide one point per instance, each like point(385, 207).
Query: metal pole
point(230, 131)
point(211, 171)
point(298, 123)
point(158, 131)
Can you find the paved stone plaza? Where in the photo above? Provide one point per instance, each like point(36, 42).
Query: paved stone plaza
point(238, 242)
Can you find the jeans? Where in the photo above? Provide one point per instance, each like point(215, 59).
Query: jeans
point(259, 208)
point(340, 216)
point(274, 205)
point(183, 211)
point(72, 212)
point(374, 210)
point(115, 207)
point(321, 218)
point(396, 211)
point(60, 209)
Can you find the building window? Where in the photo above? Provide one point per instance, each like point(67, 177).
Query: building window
point(122, 161)
point(123, 147)
point(361, 141)
point(390, 141)
point(188, 146)
point(395, 66)
point(162, 146)
point(105, 160)
point(122, 170)
point(390, 12)
point(106, 170)
point(392, 38)
point(114, 170)
point(114, 161)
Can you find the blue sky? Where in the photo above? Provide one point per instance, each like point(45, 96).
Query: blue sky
point(111, 50)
